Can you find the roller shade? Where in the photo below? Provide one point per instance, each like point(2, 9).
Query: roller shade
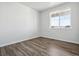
point(60, 13)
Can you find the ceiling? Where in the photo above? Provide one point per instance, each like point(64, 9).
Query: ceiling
point(41, 5)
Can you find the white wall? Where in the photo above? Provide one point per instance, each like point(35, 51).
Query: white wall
point(69, 35)
point(17, 22)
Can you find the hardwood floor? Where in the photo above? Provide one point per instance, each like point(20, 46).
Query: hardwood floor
point(40, 47)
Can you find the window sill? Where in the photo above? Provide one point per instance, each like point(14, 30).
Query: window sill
point(61, 27)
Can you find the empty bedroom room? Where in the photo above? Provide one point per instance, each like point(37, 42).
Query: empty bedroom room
point(39, 29)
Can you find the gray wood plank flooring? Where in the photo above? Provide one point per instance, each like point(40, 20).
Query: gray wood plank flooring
point(40, 47)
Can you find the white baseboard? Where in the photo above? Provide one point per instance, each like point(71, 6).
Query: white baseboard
point(62, 40)
point(13, 42)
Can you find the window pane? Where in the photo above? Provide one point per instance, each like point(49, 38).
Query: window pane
point(54, 21)
point(65, 20)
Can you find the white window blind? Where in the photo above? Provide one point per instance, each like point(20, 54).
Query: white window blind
point(61, 18)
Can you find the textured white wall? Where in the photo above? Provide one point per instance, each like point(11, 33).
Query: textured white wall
point(70, 35)
point(17, 22)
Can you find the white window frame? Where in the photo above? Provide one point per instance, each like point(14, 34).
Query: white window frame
point(59, 18)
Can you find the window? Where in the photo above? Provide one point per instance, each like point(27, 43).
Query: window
point(61, 18)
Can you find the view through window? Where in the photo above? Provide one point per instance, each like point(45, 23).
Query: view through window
point(61, 18)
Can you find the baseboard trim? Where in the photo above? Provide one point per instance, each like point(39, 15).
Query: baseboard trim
point(13, 42)
point(61, 40)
